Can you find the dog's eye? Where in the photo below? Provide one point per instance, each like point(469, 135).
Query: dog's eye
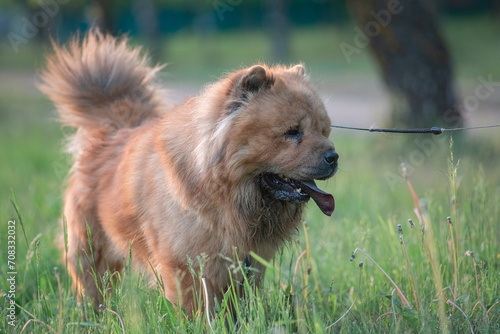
point(294, 133)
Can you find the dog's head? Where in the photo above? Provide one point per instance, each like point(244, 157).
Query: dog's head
point(277, 132)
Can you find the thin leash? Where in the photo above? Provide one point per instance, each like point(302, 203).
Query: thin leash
point(434, 130)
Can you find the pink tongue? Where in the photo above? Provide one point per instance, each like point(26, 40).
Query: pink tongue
point(324, 200)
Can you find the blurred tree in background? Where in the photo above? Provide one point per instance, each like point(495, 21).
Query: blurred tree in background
point(405, 40)
point(278, 17)
point(403, 35)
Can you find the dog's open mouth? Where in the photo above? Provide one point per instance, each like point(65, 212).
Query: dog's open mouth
point(287, 189)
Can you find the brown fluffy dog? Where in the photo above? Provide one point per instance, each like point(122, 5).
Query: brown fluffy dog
point(224, 174)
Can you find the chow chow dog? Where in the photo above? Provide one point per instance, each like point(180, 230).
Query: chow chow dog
point(222, 174)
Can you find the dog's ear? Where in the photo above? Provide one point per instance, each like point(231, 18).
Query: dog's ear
point(249, 82)
point(256, 79)
point(299, 69)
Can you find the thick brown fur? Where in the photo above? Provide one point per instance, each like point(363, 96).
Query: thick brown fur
point(178, 182)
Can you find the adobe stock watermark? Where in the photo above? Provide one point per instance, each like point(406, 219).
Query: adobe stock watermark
point(223, 6)
point(30, 26)
point(11, 272)
point(471, 103)
point(381, 19)
point(428, 146)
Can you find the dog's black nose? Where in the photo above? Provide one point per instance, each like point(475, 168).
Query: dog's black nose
point(331, 157)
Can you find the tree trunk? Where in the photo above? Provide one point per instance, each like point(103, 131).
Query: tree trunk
point(101, 15)
point(406, 43)
point(146, 19)
point(278, 20)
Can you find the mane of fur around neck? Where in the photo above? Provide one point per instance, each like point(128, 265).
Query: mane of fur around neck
point(217, 178)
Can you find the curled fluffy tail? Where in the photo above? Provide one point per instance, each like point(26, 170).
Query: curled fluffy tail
point(101, 82)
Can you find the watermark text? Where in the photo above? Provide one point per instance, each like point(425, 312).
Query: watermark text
point(11, 272)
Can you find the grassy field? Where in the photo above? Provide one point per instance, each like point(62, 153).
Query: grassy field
point(426, 279)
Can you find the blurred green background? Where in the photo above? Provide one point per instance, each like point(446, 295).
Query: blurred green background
point(202, 40)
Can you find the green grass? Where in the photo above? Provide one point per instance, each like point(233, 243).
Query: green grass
point(371, 200)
